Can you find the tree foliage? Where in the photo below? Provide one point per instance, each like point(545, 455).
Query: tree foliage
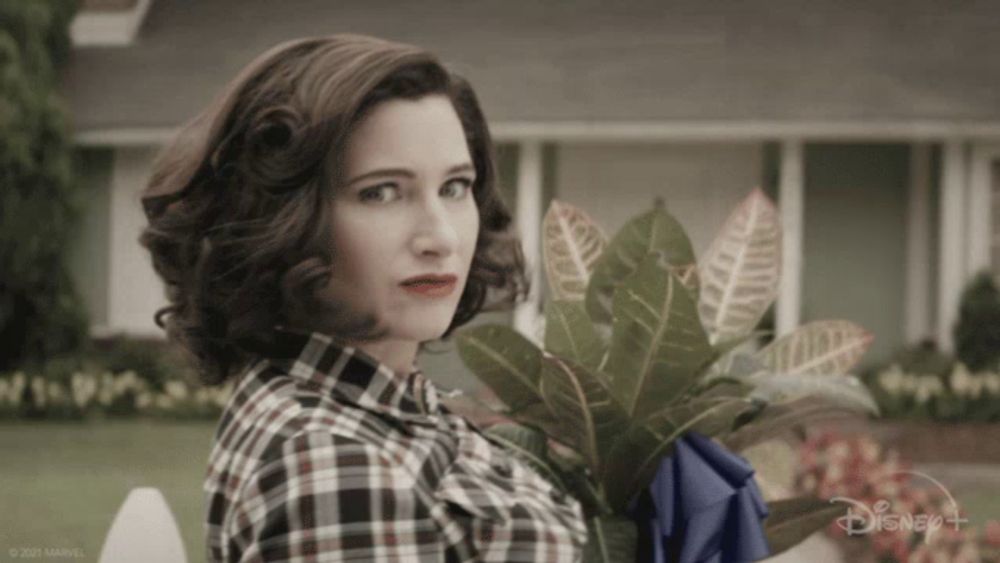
point(41, 314)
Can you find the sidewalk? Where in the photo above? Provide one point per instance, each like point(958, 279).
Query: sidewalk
point(817, 549)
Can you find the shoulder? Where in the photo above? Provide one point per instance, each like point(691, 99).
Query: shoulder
point(324, 495)
point(273, 404)
point(326, 462)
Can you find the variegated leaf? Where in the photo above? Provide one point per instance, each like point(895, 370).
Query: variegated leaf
point(843, 390)
point(652, 231)
point(658, 347)
point(570, 334)
point(581, 401)
point(503, 359)
point(740, 271)
point(571, 244)
point(819, 347)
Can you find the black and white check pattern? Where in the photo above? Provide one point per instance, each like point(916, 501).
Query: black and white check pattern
point(324, 454)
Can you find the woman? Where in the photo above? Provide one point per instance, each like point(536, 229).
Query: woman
point(330, 213)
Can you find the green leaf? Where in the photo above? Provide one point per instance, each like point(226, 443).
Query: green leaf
point(711, 417)
point(740, 271)
point(729, 350)
point(654, 230)
point(538, 415)
point(658, 347)
point(530, 446)
point(504, 360)
point(571, 245)
point(819, 347)
point(634, 458)
point(611, 539)
point(843, 390)
point(581, 401)
point(582, 487)
point(775, 420)
point(793, 520)
point(569, 333)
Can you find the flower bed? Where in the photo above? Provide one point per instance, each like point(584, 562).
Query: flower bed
point(958, 395)
point(891, 513)
point(94, 394)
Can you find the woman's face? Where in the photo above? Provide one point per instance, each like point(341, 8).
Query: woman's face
point(406, 209)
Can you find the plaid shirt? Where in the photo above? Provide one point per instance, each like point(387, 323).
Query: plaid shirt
point(323, 454)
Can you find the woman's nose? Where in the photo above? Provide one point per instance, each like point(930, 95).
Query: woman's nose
point(435, 230)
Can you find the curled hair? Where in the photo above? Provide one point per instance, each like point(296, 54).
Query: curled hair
point(238, 222)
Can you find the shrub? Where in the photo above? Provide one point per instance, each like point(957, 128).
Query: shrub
point(977, 332)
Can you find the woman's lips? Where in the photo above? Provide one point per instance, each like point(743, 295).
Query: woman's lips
point(429, 288)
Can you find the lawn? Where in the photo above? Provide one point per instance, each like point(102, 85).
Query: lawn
point(61, 484)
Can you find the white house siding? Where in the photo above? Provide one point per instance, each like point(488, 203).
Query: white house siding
point(700, 183)
point(134, 290)
point(855, 238)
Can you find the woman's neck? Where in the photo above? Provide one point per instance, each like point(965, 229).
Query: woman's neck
point(398, 355)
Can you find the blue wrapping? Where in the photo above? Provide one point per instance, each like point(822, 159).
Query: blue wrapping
point(703, 506)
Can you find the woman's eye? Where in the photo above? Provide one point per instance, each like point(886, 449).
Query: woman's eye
point(464, 185)
point(378, 193)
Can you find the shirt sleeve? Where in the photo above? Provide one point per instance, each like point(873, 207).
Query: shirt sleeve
point(323, 497)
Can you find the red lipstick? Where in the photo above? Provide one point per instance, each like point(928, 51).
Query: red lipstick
point(431, 285)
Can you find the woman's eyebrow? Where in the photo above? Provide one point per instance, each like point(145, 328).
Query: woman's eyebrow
point(407, 173)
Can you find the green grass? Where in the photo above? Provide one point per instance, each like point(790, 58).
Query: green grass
point(61, 484)
point(980, 505)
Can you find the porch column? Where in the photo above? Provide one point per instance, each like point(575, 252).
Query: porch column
point(917, 311)
point(790, 204)
point(951, 266)
point(528, 217)
point(979, 210)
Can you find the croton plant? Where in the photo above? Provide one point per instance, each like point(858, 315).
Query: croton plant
point(643, 343)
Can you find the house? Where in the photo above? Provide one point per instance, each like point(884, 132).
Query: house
point(876, 125)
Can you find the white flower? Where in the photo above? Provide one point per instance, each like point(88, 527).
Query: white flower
point(976, 385)
point(16, 390)
point(104, 393)
point(992, 383)
point(221, 395)
point(125, 381)
point(176, 389)
point(960, 379)
point(926, 387)
point(201, 396)
point(891, 379)
point(56, 392)
point(83, 387)
point(143, 400)
point(38, 391)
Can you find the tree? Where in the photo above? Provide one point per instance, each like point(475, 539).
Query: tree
point(41, 314)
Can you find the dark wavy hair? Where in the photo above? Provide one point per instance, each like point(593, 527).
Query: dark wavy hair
point(237, 203)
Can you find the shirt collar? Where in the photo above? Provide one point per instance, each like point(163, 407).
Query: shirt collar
point(349, 373)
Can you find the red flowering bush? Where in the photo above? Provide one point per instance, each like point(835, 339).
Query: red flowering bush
point(896, 513)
